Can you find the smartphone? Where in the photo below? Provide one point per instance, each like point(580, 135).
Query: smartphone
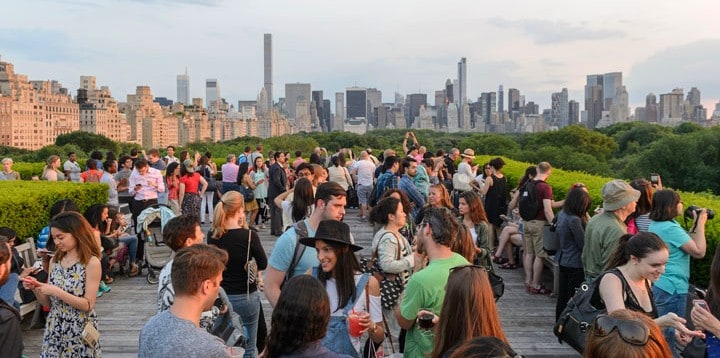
point(654, 178)
point(701, 303)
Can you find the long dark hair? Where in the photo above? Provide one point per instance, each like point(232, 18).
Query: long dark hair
point(713, 291)
point(530, 173)
point(345, 268)
point(403, 199)
point(242, 170)
point(664, 205)
point(303, 199)
point(93, 215)
point(639, 245)
point(476, 208)
point(577, 203)
point(302, 299)
point(380, 212)
point(644, 203)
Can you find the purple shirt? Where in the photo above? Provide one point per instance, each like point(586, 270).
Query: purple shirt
point(229, 172)
point(147, 191)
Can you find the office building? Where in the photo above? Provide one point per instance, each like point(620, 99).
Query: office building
point(612, 82)
point(513, 100)
point(594, 99)
point(356, 103)
point(487, 106)
point(670, 109)
point(449, 92)
point(500, 98)
point(573, 112)
point(374, 100)
point(339, 112)
point(212, 93)
point(267, 73)
point(317, 98)
point(183, 89)
point(651, 108)
point(297, 93)
point(559, 112)
point(414, 102)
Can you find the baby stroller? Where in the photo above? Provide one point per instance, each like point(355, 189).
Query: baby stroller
point(150, 223)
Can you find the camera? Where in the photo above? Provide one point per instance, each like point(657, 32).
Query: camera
point(689, 212)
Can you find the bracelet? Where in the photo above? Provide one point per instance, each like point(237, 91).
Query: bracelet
point(374, 328)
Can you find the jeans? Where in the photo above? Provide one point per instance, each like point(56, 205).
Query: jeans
point(667, 303)
point(207, 205)
point(7, 291)
point(248, 307)
point(132, 244)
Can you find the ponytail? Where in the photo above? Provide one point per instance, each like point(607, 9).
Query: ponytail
point(639, 245)
point(229, 204)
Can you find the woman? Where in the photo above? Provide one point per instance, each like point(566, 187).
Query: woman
point(670, 291)
point(303, 299)
point(625, 334)
point(259, 177)
point(338, 173)
point(393, 252)
point(640, 219)
point(571, 221)
point(247, 182)
point(347, 288)
point(207, 172)
point(407, 231)
point(473, 218)
point(52, 171)
point(468, 310)
point(8, 173)
point(71, 291)
point(495, 194)
point(483, 347)
point(119, 231)
point(243, 245)
point(636, 262)
point(706, 319)
point(512, 230)
point(191, 193)
point(320, 174)
point(172, 182)
point(438, 196)
point(297, 203)
point(97, 216)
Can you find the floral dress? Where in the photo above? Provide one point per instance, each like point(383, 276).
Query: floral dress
point(65, 323)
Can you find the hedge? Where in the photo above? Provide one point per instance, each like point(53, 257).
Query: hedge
point(28, 170)
point(561, 180)
point(25, 205)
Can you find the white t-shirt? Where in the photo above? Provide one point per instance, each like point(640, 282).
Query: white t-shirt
point(74, 169)
point(365, 172)
point(360, 305)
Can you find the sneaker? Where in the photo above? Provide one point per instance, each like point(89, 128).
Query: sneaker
point(103, 289)
point(134, 270)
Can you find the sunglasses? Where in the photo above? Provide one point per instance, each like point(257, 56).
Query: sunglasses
point(460, 268)
point(631, 331)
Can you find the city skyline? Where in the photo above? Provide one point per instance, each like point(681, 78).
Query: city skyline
point(536, 48)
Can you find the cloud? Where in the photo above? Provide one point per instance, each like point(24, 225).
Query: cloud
point(208, 3)
point(686, 66)
point(555, 32)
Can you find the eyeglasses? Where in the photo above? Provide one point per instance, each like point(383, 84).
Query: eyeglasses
point(631, 331)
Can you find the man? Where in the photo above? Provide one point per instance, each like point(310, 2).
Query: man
point(134, 155)
point(534, 252)
point(144, 185)
point(329, 205)
point(171, 155)
point(422, 179)
point(245, 156)
point(122, 178)
point(411, 151)
point(410, 170)
point(603, 230)
point(386, 154)
point(153, 159)
point(108, 178)
point(450, 159)
point(387, 179)
point(373, 158)
point(229, 172)
point(72, 168)
point(277, 185)
point(197, 272)
point(305, 170)
point(363, 170)
point(257, 153)
point(298, 159)
point(426, 288)
point(10, 333)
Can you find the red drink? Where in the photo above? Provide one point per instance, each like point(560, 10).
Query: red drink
point(354, 324)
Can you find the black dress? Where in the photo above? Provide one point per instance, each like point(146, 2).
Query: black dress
point(495, 200)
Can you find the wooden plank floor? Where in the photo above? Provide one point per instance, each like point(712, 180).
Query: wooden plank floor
point(527, 320)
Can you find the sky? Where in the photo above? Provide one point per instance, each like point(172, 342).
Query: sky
point(538, 47)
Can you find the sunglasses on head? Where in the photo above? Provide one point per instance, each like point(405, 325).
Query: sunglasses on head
point(630, 330)
point(460, 268)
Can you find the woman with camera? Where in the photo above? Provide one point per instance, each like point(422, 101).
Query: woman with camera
point(671, 289)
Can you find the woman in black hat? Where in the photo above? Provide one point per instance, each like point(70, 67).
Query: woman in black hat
point(349, 290)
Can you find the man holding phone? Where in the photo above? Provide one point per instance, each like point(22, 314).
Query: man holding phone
point(144, 185)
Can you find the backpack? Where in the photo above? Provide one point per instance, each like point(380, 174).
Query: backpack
point(528, 204)
point(300, 231)
point(94, 177)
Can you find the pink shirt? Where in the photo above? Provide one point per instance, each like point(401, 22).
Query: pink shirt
point(229, 172)
point(146, 191)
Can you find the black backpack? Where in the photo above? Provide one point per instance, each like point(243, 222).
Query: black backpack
point(528, 204)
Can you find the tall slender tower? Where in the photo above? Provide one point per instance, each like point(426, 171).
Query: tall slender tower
point(268, 70)
point(462, 91)
point(183, 88)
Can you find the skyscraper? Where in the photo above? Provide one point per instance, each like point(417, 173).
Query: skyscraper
point(513, 100)
point(573, 112)
point(339, 112)
point(297, 93)
point(268, 69)
point(651, 108)
point(414, 102)
point(594, 99)
point(356, 102)
point(212, 92)
point(449, 91)
point(694, 97)
point(500, 99)
point(317, 97)
point(559, 112)
point(374, 100)
point(183, 89)
point(612, 81)
point(462, 91)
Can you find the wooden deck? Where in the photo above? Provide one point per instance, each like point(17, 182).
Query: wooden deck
point(526, 319)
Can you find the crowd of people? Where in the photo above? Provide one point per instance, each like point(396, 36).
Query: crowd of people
point(440, 223)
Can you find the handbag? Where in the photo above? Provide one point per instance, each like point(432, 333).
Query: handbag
point(90, 335)
point(551, 241)
point(228, 326)
point(697, 348)
point(372, 349)
point(212, 182)
point(247, 193)
point(250, 265)
point(391, 286)
point(497, 284)
point(577, 318)
point(461, 182)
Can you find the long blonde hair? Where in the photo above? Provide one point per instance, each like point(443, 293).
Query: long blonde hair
point(229, 205)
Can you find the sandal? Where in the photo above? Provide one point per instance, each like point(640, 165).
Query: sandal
point(108, 280)
point(508, 266)
point(539, 291)
point(499, 260)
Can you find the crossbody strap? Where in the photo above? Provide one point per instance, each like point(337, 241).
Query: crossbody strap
point(359, 288)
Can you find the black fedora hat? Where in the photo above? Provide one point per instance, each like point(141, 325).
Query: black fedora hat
point(334, 231)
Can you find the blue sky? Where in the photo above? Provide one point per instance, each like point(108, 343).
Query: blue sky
point(535, 46)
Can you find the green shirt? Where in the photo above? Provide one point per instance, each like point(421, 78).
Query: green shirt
point(426, 289)
point(601, 235)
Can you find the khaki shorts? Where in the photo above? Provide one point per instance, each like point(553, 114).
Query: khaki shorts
point(533, 236)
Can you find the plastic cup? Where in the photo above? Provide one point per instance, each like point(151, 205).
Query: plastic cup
point(354, 324)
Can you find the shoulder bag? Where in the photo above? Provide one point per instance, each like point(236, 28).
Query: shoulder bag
point(250, 265)
point(228, 326)
point(551, 241)
point(577, 318)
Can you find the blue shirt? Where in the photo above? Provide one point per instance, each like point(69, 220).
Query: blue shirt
point(407, 185)
point(677, 271)
point(284, 250)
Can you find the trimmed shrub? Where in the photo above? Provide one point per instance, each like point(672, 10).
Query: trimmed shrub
point(25, 205)
point(561, 180)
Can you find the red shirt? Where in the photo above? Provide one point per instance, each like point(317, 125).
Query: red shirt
point(191, 183)
point(544, 191)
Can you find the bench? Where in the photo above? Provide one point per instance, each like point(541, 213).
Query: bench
point(555, 268)
point(28, 253)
